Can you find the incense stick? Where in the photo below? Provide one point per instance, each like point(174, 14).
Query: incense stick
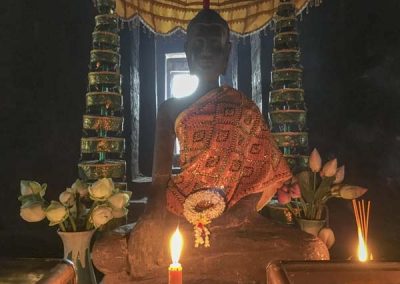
point(361, 214)
point(362, 211)
point(366, 231)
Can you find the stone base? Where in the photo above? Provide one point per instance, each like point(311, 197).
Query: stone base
point(238, 253)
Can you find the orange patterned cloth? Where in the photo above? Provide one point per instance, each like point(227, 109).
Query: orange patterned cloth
point(225, 144)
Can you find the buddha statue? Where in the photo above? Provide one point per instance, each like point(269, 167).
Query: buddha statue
point(230, 169)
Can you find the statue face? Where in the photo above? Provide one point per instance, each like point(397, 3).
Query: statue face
point(207, 51)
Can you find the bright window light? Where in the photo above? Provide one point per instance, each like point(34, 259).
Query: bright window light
point(183, 85)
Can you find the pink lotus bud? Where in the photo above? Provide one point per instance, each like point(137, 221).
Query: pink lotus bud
point(283, 197)
point(329, 169)
point(284, 188)
point(339, 175)
point(295, 191)
point(315, 161)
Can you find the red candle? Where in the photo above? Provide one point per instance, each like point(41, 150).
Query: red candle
point(175, 273)
point(175, 269)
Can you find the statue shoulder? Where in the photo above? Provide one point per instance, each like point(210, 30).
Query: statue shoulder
point(237, 95)
point(169, 109)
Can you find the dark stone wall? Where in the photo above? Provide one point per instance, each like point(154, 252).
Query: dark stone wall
point(43, 69)
point(351, 80)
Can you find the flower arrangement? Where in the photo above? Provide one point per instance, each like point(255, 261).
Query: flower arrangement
point(81, 207)
point(314, 187)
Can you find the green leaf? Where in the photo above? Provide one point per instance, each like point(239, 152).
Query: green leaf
point(35, 186)
point(43, 189)
point(304, 207)
point(28, 200)
point(305, 181)
point(323, 189)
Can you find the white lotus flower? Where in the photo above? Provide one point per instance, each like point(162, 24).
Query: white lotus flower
point(80, 187)
point(119, 199)
point(32, 187)
point(351, 191)
point(67, 198)
point(33, 213)
point(339, 177)
point(101, 215)
point(119, 213)
point(56, 213)
point(102, 189)
point(315, 161)
point(329, 169)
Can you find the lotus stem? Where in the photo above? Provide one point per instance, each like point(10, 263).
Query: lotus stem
point(314, 181)
point(88, 223)
point(62, 227)
point(304, 205)
point(77, 203)
point(297, 205)
point(319, 213)
point(72, 221)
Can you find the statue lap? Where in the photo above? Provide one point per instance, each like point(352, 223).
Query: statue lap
point(242, 246)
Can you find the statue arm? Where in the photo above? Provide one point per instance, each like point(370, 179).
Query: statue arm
point(163, 148)
point(148, 240)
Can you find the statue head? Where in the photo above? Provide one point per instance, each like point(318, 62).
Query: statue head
point(207, 45)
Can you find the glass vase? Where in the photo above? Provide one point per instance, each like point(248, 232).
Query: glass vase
point(77, 249)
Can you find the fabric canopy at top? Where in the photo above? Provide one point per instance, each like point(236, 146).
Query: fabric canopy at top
point(165, 16)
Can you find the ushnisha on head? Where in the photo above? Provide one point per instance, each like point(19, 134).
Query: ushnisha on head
point(207, 46)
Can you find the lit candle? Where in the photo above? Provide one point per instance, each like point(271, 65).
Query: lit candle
point(175, 269)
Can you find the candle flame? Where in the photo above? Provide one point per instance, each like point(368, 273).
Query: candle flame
point(362, 247)
point(176, 244)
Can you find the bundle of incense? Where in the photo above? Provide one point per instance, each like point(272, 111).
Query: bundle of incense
point(361, 213)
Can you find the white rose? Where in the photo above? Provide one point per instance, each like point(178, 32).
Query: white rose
point(120, 199)
point(33, 213)
point(56, 213)
point(101, 189)
point(32, 187)
point(80, 187)
point(101, 215)
point(119, 213)
point(67, 198)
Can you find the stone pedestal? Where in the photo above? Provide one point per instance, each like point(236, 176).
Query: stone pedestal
point(241, 248)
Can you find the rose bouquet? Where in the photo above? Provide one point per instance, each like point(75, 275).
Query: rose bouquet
point(81, 207)
point(314, 187)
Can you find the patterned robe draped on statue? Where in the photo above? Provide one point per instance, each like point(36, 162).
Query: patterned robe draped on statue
point(225, 144)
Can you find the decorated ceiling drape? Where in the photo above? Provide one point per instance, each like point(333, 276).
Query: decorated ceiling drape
point(165, 16)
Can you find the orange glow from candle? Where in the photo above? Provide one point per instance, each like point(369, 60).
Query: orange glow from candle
point(175, 269)
point(362, 248)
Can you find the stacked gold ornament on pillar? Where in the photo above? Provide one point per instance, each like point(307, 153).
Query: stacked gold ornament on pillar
point(287, 110)
point(102, 148)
